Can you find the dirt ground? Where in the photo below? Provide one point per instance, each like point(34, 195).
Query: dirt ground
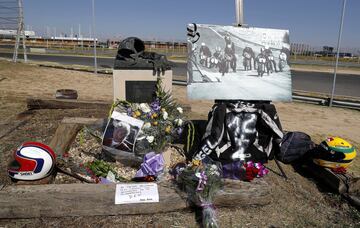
point(298, 202)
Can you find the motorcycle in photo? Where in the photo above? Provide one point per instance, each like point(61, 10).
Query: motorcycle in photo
point(282, 61)
point(205, 55)
point(249, 57)
point(261, 65)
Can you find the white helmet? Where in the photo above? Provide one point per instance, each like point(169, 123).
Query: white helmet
point(33, 161)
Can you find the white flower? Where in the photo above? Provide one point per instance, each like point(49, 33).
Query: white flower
point(136, 106)
point(180, 110)
point(216, 173)
point(198, 175)
point(213, 168)
point(178, 122)
point(147, 125)
point(150, 138)
point(165, 115)
point(145, 107)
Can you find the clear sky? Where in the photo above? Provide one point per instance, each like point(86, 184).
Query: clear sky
point(314, 22)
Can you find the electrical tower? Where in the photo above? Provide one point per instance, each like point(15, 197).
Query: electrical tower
point(12, 24)
point(20, 32)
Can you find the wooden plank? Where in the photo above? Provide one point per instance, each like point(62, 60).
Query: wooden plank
point(345, 184)
point(36, 103)
point(337, 182)
point(64, 136)
point(66, 200)
point(33, 103)
point(83, 121)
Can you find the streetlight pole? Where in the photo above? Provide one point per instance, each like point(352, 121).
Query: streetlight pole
point(93, 24)
point(239, 5)
point(338, 51)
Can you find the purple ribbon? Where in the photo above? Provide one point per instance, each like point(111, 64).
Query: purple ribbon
point(207, 205)
point(262, 170)
point(202, 181)
point(233, 170)
point(236, 170)
point(152, 165)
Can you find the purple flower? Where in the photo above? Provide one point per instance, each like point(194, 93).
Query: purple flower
point(155, 105)
point(129, 111)
point(179, 130)
point(202, 181)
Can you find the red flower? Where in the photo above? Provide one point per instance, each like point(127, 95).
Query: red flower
point(250, 173)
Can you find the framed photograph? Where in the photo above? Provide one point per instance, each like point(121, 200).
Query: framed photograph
point(121, 132)
point(237, 63)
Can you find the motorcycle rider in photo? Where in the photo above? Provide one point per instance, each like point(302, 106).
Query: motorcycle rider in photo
point(249, 57)
point(205, 55)
point(270, 62)
point(192, 37)
point(282, 61)
point(215, 59)
point(261, 63)
point(229, 54)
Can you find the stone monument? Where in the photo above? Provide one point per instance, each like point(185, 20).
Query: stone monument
point(136, 72)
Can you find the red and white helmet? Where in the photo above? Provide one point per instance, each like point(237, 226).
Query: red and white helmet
point(33, 161)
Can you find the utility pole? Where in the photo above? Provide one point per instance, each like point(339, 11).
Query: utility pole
point(239, 5)
point(80, 38)
point(338, 51)
point(20, 33)
point(93, 23)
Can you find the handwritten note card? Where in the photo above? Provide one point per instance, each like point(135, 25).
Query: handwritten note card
point(136, 193)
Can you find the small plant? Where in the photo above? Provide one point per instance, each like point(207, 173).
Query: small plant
point(100, 168)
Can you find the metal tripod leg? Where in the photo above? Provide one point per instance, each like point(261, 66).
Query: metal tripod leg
point(281, 169)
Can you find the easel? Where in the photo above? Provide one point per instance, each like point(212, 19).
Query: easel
point(239, 5)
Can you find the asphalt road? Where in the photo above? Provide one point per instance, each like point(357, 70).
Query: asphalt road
point(346, 84)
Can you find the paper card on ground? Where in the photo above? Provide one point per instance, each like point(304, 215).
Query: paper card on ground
point(136, 193)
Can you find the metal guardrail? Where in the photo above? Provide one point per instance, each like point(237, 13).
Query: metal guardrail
point(326, 101)
point(309, 99)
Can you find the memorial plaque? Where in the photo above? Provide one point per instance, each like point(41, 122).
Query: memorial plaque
point(142, 79)
point(140, 91)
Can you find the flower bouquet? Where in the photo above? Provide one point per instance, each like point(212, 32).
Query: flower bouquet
point(201, 181)
point(245, 171)
point(163, 121)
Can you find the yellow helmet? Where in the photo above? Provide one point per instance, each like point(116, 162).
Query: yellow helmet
point(334, 152)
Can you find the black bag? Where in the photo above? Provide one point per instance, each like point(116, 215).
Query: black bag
point(294, 146)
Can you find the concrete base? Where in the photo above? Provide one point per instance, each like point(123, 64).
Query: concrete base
point(121, 76)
